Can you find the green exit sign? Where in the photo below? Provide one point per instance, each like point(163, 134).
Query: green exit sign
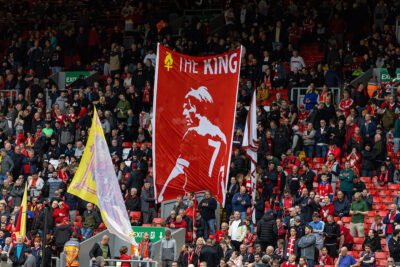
point(156, 233)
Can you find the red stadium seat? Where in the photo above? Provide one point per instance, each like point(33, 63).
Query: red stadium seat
point(378, 200)
point(358, 240)
point(346, 219)
point(381, 255)
point(394, 186)
point(158, 220)
point(146, 225)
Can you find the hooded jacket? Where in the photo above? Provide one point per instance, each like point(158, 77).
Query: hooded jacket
point(267, 229)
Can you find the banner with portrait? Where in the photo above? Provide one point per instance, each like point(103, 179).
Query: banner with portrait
point(194, 114)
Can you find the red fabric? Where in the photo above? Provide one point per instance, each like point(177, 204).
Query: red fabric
point(324, 190)
point(348, 239)
point(329, 209)
point(325, 260)
point(389, 226)
point(200, 118)
point(61, 215)
point(219, 234)
point(335, 152)
point(125, 257)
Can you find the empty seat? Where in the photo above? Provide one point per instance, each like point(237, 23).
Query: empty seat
point(358, 240)
point(158, 220)
point(346, 219)
point(381, 255)
point(394, 186)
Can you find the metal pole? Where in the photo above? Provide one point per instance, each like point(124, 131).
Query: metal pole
point(44, 234)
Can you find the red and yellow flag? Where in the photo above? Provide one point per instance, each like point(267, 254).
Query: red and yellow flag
point(20, 228)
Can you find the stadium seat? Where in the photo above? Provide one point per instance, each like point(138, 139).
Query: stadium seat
point(394, 186)
point(102, 226)
point(358, 240)
point(373, 192)
point(146, 225)
point(135, 216)
point(380, 255)
point(381, 262)
point(318, 160)
point(365, 179)
point(369, 220)
point(358, 247)
point(346, 219)
point(381, 213)
point(353, 253)
point(127, 145)
point(378, 200)
point(158, 220)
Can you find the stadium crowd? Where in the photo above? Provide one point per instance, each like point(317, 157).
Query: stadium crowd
point(320, 165)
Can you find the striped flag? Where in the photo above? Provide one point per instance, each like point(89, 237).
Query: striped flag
point(20, 228)
point(250, 145)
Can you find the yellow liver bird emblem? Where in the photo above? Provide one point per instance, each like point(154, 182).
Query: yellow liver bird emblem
point(168, 61)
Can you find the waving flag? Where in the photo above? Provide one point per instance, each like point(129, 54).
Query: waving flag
point(20, 228)
point(250, 144)
point(194, 114)
point(96, 182)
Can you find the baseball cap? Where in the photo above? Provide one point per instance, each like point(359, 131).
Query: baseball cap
point(301, 106)
point(388, 159)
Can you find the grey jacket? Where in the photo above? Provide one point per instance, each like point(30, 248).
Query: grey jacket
point(307, 245)
point(146, 199)
point(30, 261)
point(310, 141)
point(7, 165)
point(168, 249)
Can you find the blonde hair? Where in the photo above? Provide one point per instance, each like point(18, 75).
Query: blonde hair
point(200, 241)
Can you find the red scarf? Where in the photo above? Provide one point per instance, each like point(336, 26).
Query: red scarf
point(357, 138)
point(389, 226)
point(290, 246)
point(146, 249)
point(381, 177)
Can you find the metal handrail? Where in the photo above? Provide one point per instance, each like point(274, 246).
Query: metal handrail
point(148, 263)
point(57, 261)
point(336, 92)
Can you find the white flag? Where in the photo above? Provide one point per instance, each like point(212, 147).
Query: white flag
point(250, 144)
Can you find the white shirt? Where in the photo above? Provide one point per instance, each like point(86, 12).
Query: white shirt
point(235, 226)
point(297, 62)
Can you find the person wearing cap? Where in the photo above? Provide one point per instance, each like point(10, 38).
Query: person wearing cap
point(148, 203)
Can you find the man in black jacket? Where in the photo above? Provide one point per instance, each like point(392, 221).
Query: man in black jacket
point(207, 208)
point(132, 203)
point(97, 249)
point(18, 259)
point(267, 230)
point(209, 254)
point(394, 246)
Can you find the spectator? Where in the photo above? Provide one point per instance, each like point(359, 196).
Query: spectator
point(394, 245)
point(71, 251)
point(241, 202)
point(30, 259)
point(207, 207)
point(373, 240)
point(148, 203)
point(391, 220)
point(345, 260)
point(331, 233)
point(168, 249)
point(317, 230)
point(321, 139)
point(236, 230)
point(307, 245)
point(325, 258)
point(358, 210)
point(90, 221)
point(346, 181)
point(101, 250)
point(267, 230)
point(16, 254)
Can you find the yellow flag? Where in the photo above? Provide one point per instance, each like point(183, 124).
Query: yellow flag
point(20, 228)
point(95, 181)
point(83, 184)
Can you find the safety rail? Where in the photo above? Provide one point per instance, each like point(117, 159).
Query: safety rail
point(57, 261)
point(301, 92)
point(148, 263)
point(12, 94)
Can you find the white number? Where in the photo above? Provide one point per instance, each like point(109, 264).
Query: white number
point(217, 146)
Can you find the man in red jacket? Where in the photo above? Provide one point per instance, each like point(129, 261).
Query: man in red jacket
point(179, 223)
point(61, 213)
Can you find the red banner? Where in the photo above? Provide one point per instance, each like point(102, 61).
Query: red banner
point(194, 113)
